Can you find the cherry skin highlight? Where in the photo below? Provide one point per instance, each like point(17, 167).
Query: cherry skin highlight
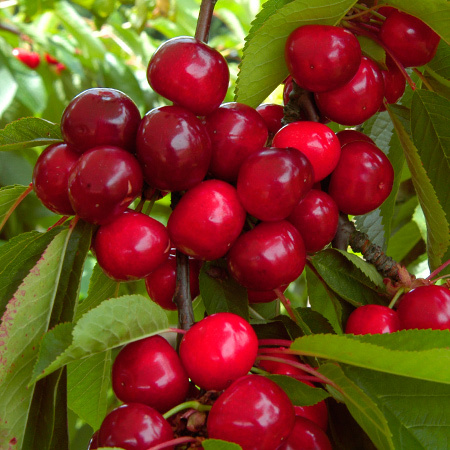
point(394, 82)
point(272, 115)
point(218, 350)
point(372, 319)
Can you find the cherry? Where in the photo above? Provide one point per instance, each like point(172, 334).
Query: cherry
point(131, 246)
point(317, 413)
point(287, 89)
point(349, 135)
point(372, 319)
point(103, 182)
point(268, 256)
point(280, 368)
point(306, 435)
point(272, 115)
point(218, 350)
point(236, 131)
point(100, 116)
point(363, 178)
point(134, 426)
point(272, 181)
point(412, 41)
point(386, 11)
point(322, 57)
point(253, 412)
point(149, 371)
point(51, 177)
point(257, 296)
point(93, 443)
point(190, 73)
point(173, 148)
point(30, 59)
point(356, 101)
point(207, 220)
point(50, 59)
point(425, 307)
point(316, 141)
point(160, 284)
point(316, 218)
point(394, 82)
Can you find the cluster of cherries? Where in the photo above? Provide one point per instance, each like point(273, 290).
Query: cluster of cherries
point(33, 59)
point(170, 398)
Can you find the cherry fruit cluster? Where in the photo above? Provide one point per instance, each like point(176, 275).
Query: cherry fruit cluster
point(32, 59)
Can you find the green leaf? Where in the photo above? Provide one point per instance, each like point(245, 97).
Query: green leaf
point(439, 66)
point(263, 68)
point(9, 86)
point(315, 322)
point(8, 196)
point(114, 322)
point(217, 444)
point(29, 132)
point(403, 241)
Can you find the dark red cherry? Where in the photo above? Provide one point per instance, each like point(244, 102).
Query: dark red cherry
point(189, 73)
point(306, 435)
point(317, 413)
point(316, 218)
point(362, 180)
point(257, 296)
point(134, 426)
point(322, 57)
point(349, 135)
point(372, 319)
point(207, 220)
point(160, 284)
point(272, 181)
point(149, 371)
point(100, 116)
point(280, 368)
point(50, 59)
point(236, 131)
point(316, 141)
point(410, 39)
point(356, 101)
point(287, 89)
point(173, 148)
point(131, 246)
point(103, 183)
point(272, 115)
point(253, 412)
point(386, 11)
point(425, 307)
point(218, 350)
point(394, 82)
point(268, 256)
point(51, 177)
point(93, 443)
point(27, 57)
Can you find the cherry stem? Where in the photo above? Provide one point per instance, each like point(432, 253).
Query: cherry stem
point(58, 222)
point(438, 270)
point(192, 404)
point(276, 342)
point(423, 79)
point(16, 204)
point(365, 9)
point(174, 442)
point(396, 297)
point(204, 20)
point(286, 303)
point(177, 330)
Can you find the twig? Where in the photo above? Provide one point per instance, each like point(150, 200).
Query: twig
point(204, 19)
point(301, 106)
point(182, 297)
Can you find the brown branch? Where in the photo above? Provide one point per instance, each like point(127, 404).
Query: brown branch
point(182, 297)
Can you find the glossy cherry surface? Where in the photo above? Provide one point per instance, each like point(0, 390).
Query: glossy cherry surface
point(268, 256)
point(372, 319)
point(316, 141)
point(425, 307)
point(317, 413)
point(103, 183)
point(356, 101)
point(131, 246)
point(134, 426)
point(173, 148)
point(349, 135)
point(394, 82)
point(93, 443)
point(189, 73)
point(236, 131)
point(218, 350)
point(316, 218)
point(272, 115)
point(149, 371)
point(51, 177)
point(29, 58)
point(272, 181)
point(207, 220)
point(411, 40)
point(363, 178)
point(322, 57)
point(253, 412)
point(281, 368)
point(100, 116)
point(257, 296)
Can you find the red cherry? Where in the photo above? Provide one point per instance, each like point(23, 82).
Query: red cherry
point(149, 371)
point(372, 319)
point(317, 413)
point(287, 89)
point(394, 82)
point(425, 307)
point(50, 59)
point(257, 296)
point(272, 115)
point(236, 131)
point(322, 57)
point(93, 443)
point(60, 67)
point(173, 148)
point(349, 135)
point(272, 181)
point(131, 246)
point(218, 350)
point(207, 220)
point(363, 178)
point(280, 368)
point(189, 73)
point(316, 141)
point(51, 177)
point(356, 101)
point(268, 256)
point(100, 116)
point(412, 41)
point(103, 183)
point(386, 11)
point(30, 59)
point(316, 217)
point(306, 435)
point(253, 412)
point(134, 426)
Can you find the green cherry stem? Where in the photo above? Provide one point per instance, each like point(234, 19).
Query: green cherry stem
point(192, 404)
point(396, 297)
